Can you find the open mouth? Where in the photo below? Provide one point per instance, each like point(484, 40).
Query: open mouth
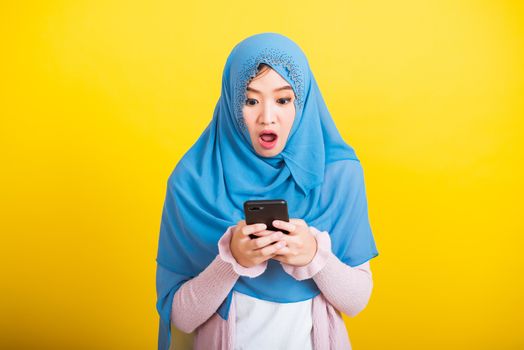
point(268, 139)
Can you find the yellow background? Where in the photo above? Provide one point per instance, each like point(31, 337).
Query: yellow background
point(100, 99)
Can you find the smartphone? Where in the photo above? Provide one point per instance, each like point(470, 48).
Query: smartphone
point(264, 211)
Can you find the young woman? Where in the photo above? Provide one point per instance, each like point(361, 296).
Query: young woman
point(271, 137)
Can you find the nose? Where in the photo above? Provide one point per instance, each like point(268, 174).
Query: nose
point(267, 116)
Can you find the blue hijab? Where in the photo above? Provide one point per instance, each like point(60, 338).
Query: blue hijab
point(317, 173)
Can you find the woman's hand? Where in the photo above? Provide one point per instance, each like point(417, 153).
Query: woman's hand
point(301, 244)
point(250, 252)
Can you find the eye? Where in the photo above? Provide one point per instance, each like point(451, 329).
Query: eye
point(286, 100)
point(249, 100)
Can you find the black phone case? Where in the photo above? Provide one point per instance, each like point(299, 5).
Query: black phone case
point(265, 211)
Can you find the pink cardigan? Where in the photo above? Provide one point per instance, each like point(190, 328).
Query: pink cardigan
point(343, 289)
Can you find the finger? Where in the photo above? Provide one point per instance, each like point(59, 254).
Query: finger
point(293, 229)
point(292, 241)
point(271, 249)
point(300, 230)
point(284, 225)
point(262, 234)
point(265, 233)
point(249, 229)
point(265, 240)
point(284, 258)
point(298, 222)
point(283, 251)
point(280, 258)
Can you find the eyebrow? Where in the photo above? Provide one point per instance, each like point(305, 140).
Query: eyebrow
point(286, 87)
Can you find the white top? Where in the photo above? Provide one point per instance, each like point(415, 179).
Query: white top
point(267, 325)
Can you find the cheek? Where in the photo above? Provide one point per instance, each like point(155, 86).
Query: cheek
point(249, 119)
point(288, 119)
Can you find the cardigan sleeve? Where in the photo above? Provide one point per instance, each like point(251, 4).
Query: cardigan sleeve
point(193, 303)
point(347, 288)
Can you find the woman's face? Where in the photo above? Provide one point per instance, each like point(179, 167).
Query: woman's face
point(269, 108)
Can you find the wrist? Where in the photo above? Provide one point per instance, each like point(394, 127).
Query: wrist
point(314, 254)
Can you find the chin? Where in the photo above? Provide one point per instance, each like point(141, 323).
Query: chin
point(268, 153)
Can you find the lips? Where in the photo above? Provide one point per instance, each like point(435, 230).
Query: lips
point(268, 139)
